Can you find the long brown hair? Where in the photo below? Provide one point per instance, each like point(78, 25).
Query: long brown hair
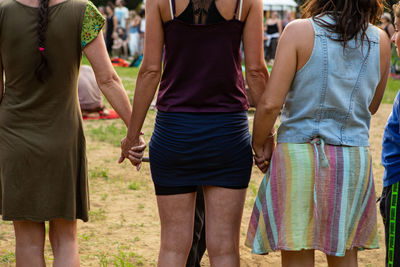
point(42, 70)
point(351, 17)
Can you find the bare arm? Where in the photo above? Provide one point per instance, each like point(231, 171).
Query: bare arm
point(256, 70)
point(385, 56)
point(277, 88)
point(148, 77)
point(107, 79)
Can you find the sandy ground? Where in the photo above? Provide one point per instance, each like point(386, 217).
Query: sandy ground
point(124, 226)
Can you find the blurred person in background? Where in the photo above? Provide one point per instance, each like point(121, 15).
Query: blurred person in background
point(122, 14)
point(111, 27)
point(386, 24)
point(274, 31)
point(90, 97)
point(134, 36)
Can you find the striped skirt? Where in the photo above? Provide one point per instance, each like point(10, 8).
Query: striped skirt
point(315, 196)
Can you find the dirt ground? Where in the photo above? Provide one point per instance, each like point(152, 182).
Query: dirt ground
point(124, 227)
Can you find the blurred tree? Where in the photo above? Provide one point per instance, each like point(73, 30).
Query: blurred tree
point(131, 4)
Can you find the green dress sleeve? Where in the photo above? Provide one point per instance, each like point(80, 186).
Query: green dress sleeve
point(92, 24)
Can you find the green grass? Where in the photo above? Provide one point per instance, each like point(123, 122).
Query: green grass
point(134, 186)
point(99, 172)
point(393, 86)
point(97, 215)
point(107, 132)
point(122, 259)
point(7, 258)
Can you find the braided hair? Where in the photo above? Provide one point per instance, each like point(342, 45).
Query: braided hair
point(42, 69)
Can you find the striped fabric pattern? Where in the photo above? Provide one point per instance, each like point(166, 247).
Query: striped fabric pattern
point(315, 196)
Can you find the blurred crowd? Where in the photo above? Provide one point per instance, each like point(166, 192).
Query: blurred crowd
point(273, 27)
point(275, 22)
point(124, 30)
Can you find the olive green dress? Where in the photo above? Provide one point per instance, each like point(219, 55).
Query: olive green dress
point(43, 170)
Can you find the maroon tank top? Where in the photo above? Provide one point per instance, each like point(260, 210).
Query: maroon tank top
point(202, 67)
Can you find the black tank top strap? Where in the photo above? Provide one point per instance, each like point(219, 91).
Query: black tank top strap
point(236, 9)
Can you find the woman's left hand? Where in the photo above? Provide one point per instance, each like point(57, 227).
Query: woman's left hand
point(262, 156)
point(133, 151)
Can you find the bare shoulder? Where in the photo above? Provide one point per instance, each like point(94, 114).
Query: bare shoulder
point(160, 6)
point(299, 27)
point(383, 37)
point(255, 5)
point(299, 31)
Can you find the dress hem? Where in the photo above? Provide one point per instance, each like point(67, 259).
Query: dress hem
point(40, 219)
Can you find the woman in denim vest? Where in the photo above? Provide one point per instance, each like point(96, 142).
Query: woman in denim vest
point(318, 193)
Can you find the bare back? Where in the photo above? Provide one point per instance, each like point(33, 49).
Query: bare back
point(225, 7)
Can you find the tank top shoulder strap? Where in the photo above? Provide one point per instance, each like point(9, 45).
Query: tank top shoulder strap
point(238, 7)
point(172, 8)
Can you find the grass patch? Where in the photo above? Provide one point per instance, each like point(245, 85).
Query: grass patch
point(122, 259)
point(134, 186)
point(110, 133)
point(104, 196)
point(97, 215)
point(8, 258)
point(100, 172)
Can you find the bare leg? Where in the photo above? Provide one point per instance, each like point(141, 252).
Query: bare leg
point(349, 260)
point(64, 243)
point(224, 209)
point(302, 258)
point(176, 215)
point(29, 247)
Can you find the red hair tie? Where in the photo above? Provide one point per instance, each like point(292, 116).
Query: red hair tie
point(41, 49)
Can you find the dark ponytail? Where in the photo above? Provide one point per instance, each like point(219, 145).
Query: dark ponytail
point(42, 70)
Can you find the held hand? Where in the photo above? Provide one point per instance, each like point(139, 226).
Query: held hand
point(133, 151)
point(263, 154)
point(136, 153)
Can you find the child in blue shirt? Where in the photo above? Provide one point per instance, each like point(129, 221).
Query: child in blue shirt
point(390, 202)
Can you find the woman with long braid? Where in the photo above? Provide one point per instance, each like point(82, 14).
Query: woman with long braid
point(43, 173)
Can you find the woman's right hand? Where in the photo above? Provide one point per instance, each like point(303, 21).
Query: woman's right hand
point(133, 151)
point(262, 155)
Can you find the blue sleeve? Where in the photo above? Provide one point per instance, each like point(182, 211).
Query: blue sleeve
point(391, 145)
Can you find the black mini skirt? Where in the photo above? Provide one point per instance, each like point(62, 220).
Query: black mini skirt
point(199, 149)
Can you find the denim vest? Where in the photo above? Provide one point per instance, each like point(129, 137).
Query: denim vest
point(329, 97)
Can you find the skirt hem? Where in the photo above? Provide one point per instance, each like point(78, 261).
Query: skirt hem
point(330, 253)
